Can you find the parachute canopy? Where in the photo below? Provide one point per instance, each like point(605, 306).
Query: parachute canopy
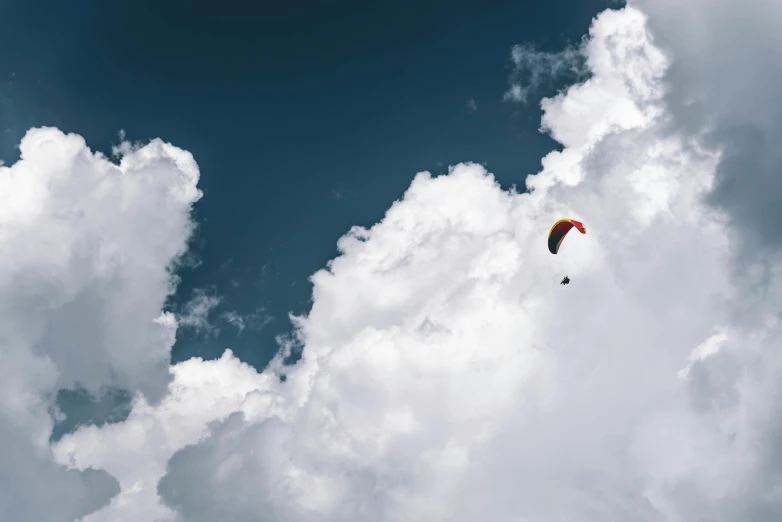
point(560, 230)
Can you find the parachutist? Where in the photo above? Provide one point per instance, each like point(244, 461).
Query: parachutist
point(557, 234)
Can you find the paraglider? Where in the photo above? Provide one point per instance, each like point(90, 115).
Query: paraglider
point(560, 230)
point(557, 234)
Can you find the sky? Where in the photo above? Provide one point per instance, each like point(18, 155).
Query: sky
point(177, 183)
point(305, 122)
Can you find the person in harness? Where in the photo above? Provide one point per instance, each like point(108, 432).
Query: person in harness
point(557, 234)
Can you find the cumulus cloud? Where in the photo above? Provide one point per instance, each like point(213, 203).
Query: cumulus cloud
point(723, 83)
point(87, 247)
point(137, 450)
point(446, 375)
point(34, 487)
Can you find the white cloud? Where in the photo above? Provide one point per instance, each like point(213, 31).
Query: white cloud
point(137, 450)
point(87, 245)
point(709, 347)
point(723, 82)
point(471, 105)
point(84, 274)
point(446, 375)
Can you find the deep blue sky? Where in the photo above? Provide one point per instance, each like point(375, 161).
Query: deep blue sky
point(283, 105)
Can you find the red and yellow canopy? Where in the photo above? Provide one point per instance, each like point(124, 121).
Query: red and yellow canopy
point(560, 230)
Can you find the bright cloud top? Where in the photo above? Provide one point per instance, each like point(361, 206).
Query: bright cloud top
point(87, 246)
point(724, 83)
point(446, 375)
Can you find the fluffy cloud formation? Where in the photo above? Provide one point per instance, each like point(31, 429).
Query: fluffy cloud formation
point(445, 375)
point(724, 83)
point(87, 245)
point(137, 450)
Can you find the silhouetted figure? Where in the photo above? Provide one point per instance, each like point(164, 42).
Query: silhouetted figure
point(565, 281)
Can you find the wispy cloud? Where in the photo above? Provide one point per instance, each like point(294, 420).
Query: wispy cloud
point(471, 106)
point(256, 320)
point(534, 69)
point(195, 313)
point(226, 264)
